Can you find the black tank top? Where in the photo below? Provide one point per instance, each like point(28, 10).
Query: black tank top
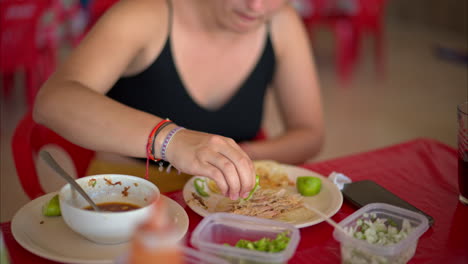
point(159, 90)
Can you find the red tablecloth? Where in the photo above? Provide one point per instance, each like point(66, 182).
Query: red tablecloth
point(422, 171)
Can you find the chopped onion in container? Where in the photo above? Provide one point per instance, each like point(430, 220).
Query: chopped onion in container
point(376, 231)
point(379, 231)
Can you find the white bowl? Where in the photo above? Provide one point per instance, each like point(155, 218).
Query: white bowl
point(107, 227)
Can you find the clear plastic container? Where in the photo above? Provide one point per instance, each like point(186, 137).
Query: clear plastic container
point(215, 230)
point(192, 256)
point(355, 250)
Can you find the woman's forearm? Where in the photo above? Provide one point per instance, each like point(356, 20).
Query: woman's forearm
point(292, 147)
point(101, 124)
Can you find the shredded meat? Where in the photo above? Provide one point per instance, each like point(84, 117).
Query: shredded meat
point(197, 199)
point(267, 203)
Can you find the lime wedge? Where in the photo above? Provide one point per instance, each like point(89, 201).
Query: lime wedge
point(52, 207)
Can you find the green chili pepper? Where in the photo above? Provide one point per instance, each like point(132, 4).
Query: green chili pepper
point(257, 184)
point(265, 244)
point(199, 185)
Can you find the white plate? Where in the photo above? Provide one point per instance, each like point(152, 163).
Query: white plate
point(328, 201)
point(50, 237)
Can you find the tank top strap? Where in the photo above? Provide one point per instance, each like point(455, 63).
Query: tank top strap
point(171, 17)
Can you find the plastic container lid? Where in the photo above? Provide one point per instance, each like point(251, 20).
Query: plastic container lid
point(215, 230)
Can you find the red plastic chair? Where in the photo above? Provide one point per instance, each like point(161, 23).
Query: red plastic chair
point(20, 46)
point(72, 18)
point(322, 13)
point(369, 19)
point(28, 139)
point(349, 27)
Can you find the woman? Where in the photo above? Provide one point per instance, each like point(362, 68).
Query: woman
point(204, 64)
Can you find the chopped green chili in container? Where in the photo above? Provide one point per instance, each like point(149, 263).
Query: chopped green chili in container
point(265, 244)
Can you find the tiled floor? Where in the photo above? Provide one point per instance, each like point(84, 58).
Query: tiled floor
point(417, 98)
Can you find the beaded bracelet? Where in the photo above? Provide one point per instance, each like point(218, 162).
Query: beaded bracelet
point(167, 140)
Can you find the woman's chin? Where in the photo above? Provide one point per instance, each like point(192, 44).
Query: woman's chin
point(246, 26)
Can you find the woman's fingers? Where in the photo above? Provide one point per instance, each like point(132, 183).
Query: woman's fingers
point(216, 157)
point(214, 173)
point(227, 170)
point(235, 165)
point(247, 175)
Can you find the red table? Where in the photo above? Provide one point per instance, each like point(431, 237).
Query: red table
point(421, 171)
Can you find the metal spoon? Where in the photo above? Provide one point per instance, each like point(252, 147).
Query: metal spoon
point(54, 165)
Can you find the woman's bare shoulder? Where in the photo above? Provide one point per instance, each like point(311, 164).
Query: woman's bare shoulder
point(136, 18)
point(117, 44)
point(286, 27)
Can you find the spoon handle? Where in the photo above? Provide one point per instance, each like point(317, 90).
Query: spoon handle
point(326, 218)
point(54, 165)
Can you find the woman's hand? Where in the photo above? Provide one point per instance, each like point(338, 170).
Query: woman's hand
point(213, 156)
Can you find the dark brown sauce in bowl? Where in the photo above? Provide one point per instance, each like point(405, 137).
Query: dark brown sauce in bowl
point(114, 207)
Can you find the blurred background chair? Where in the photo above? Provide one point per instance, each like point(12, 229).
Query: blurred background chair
point(350, 21)
point(28, 139)
point(26, 44)
point(32, 34)
point(72, 19)
point(369, 19)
